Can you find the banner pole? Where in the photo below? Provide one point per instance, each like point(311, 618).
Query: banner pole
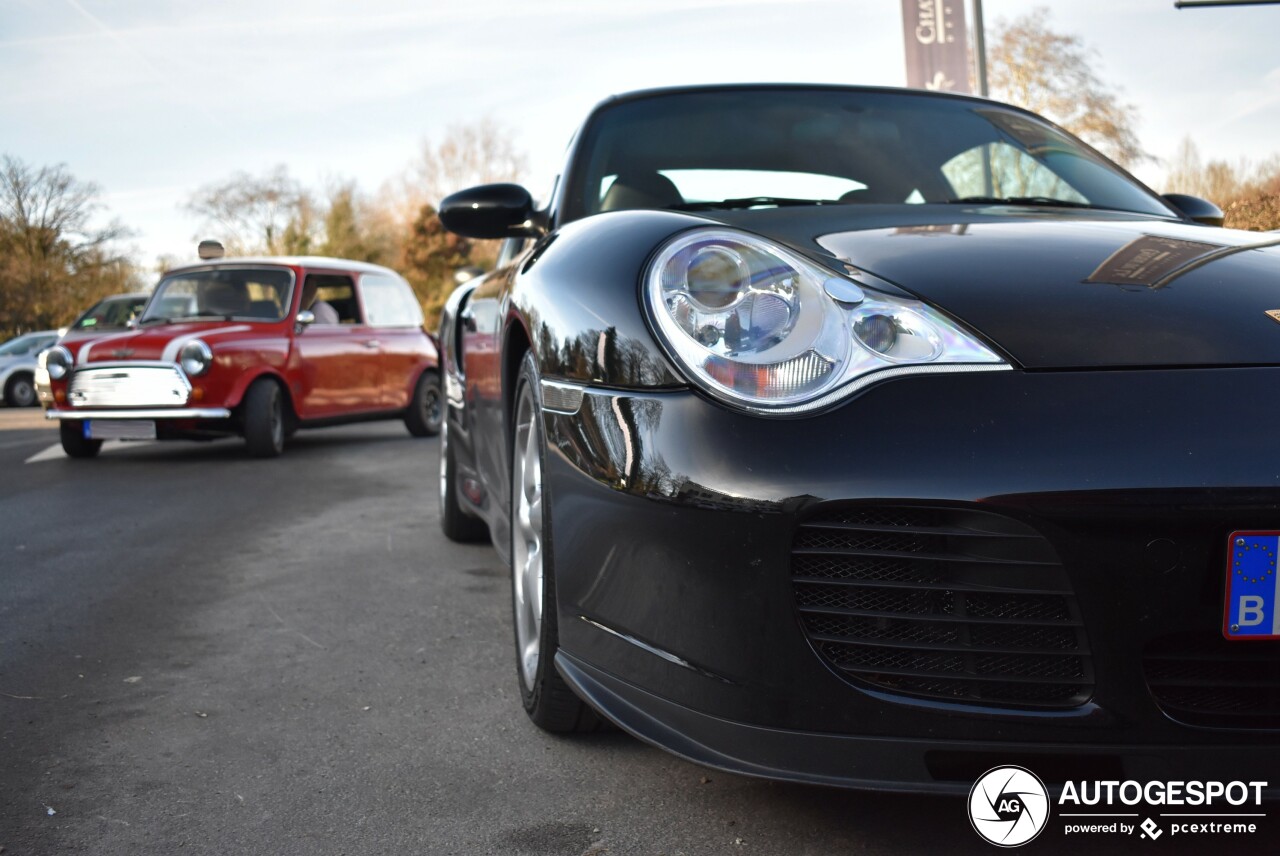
point(980, 47)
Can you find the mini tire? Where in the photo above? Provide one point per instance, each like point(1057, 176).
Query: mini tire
point(426, 409)
point(74, 442)
point(264, 419)
point(20, 391)
point(456, 523)
point(548, 700)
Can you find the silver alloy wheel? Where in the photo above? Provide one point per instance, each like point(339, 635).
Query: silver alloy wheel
point(24, 393)
point(444, 464)
point(432, 409)
point(526, 540)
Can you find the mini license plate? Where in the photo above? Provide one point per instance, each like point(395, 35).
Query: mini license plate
point(120, 429)
point(1252, 610)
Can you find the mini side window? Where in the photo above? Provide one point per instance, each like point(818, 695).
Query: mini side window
point(389, 301)
point(331, 298)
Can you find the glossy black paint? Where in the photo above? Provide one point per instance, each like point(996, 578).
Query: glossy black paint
point(1134, 413)
point(490, 211)
point(682, 545)
point(1200, 210)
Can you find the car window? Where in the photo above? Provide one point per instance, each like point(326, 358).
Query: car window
point(26, 344)
point(111, 312)
point(389, 301)
point(704, 185)
point(999, 169)
point(780, 146)
point(336, 291)
point(242, 293)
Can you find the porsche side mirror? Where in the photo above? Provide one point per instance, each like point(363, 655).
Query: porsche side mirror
point(1195, 208)
point(491, 211)
point(304, 320)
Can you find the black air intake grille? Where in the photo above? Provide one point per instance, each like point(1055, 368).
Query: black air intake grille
point(1202, 679)
point(944, 603)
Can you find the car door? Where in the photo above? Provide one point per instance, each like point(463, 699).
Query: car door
point(482, 364)
point(338, 362)
point(393, 313)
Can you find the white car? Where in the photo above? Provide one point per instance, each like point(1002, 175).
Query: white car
point(18, 366)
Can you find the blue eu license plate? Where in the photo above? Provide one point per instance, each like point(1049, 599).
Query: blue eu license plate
point(1253, 586)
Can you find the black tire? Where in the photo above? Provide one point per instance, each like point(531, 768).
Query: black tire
point(456, 523)
point(20, 391)
point(426, 410)
point(548, 700)
point(264, 419)
point(74, 443)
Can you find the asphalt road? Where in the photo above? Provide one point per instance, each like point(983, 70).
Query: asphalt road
point(205, 653)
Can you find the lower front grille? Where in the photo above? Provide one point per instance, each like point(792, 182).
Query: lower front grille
point(1202, 679)
point(129, 385)
point(944, 603)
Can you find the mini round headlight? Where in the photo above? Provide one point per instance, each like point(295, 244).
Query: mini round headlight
point(57, 362)
point(195, 358)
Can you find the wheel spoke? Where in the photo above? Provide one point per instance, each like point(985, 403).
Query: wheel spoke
point(526, 539)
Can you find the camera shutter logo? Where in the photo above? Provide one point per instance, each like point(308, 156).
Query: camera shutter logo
point(1008, 806)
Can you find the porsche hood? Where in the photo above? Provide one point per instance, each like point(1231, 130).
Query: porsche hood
point(1063, 290)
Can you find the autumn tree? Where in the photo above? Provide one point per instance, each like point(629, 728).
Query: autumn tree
point(479, 152)
point(252, 214)
point(1051, 73)
point(55, 261)
point(353, 228)
point(430, 256)
point(1247, 191)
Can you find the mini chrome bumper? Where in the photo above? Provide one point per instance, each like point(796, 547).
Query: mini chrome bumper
point(152, 413)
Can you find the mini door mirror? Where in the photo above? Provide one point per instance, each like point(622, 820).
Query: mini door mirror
point(1195, 208)
point(491, 211)
point(305, 319)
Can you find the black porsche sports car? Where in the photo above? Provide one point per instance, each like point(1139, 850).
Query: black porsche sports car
point(874, 438)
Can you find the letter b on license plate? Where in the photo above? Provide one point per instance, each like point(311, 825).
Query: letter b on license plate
point(1253, 586)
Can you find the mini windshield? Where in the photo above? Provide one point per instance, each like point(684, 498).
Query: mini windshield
point(746, 148)
point(113, 312)
point(248, 293)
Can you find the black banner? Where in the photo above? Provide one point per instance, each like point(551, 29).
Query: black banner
point(937, 43)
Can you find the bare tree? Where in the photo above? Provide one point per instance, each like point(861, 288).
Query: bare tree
point(54, 260)
point(479, 152)
point(1051, 73)
point(251, 213)
point(1223, 182)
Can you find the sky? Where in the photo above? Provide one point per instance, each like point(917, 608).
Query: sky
point(151, 99)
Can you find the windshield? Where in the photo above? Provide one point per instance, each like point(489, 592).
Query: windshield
point(250, 294)
point(26, 344)
point(742, 148)
point(110, 312)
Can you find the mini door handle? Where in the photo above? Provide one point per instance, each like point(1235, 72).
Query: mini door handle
point(373, 343)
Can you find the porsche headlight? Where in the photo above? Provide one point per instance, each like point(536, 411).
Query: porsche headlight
point(759, 327)
point(195, 358)
point(57, 361)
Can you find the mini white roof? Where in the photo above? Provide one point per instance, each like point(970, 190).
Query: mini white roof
point(314, 262)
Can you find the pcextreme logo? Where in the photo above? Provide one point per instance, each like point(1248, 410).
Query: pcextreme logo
point(1008, 806)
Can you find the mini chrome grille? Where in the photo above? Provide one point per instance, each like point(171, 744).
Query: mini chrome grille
point(129, 385)
point(945, 603)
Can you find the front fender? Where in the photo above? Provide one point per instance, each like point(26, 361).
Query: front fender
point(577, 294)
